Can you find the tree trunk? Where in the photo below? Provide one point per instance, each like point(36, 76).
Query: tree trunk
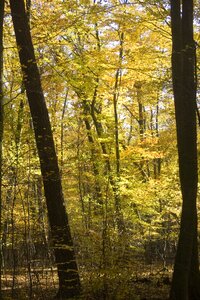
point(141, 119)
point(69, 283)
point(98, 193)
point(2, 4)
point(119, 216)
point(185, 283)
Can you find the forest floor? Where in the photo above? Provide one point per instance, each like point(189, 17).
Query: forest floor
point(121, 285)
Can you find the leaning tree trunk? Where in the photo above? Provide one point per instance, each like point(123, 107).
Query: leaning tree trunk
point(185, 283)
point(69, 283)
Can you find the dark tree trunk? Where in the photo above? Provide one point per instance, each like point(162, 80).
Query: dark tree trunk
point(185, 283)
point(2, 4)
point(115, 105)
point(157, 161)
point(69, 284)
point(141, 119)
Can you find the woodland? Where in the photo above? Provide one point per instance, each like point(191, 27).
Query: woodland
point(99, 126)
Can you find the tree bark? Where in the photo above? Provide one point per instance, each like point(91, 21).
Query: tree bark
point(2, 4)
point(69, 283)
point(185, 282)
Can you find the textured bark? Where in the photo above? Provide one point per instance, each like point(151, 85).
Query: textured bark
point(69, 284)
point(2, 4)
point(185, 283)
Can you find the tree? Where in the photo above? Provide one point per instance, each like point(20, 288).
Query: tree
point(186, 280)
point(69, 283)
point(2, 4)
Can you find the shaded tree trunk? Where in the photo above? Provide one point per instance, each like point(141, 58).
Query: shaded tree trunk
point(2, 4)
point(69, 283)
point(116, 182)
point(157, 161)
point(115, 105)
point(62, 134)
point(141, 118)
point(185, 283)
